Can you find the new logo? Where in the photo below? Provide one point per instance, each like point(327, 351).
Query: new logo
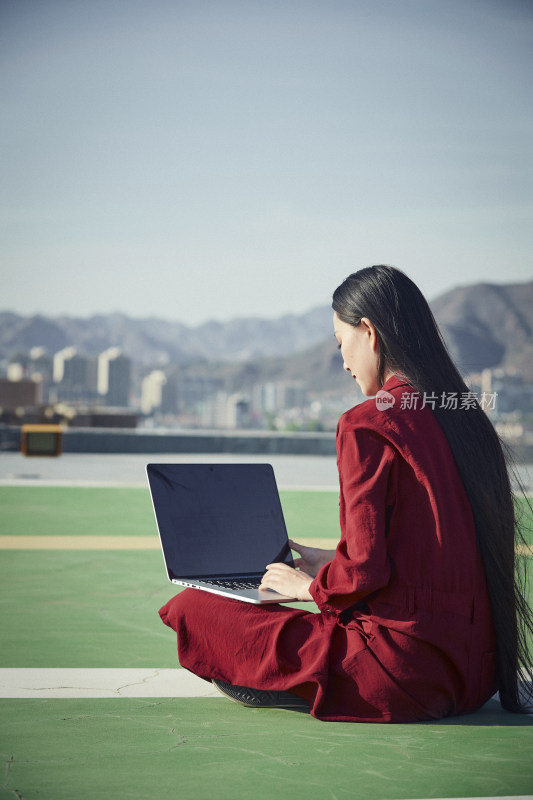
point(384, 400)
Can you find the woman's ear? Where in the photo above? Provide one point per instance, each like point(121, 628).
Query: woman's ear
point(370, 332)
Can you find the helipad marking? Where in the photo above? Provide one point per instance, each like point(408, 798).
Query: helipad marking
point(79, 543)
point(138, 543)
point(108, 543)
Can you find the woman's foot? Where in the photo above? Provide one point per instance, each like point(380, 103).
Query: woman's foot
point(260, 698)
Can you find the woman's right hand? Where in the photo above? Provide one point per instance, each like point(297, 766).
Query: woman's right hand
point(311, 558)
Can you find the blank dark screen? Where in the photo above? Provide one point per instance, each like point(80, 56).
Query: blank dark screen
point(218, 519)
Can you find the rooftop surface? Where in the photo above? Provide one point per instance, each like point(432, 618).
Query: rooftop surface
point(94, 704)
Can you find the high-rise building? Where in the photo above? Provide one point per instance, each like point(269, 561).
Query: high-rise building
point(15, 394)
point(152, 389)
point(73, 375)
point(114, 377)
point(62, 358)
point(41, 370)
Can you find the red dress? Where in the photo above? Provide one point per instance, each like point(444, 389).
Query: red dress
point(404, 630)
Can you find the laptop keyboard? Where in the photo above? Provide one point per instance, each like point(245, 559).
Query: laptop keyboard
point(236, 583)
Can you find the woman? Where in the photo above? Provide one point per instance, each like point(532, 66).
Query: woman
point(419, 614)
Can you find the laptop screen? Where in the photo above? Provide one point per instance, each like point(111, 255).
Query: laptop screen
point(218, 519)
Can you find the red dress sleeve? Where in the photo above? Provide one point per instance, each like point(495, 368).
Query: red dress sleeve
point(361, 564)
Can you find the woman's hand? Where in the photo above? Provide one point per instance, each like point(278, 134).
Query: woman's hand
point(311, 558)
point(287, 580)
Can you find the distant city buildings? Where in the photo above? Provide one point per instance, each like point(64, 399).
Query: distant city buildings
point(111, 390)
point(224, 410)
point(512, 395)
point(65, 380)
point(276, 396)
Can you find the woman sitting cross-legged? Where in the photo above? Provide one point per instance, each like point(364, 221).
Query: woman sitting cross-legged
point(420, 613)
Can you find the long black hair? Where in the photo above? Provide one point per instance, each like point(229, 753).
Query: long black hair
point(412, 347)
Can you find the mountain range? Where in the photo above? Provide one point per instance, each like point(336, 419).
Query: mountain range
point(485, 325)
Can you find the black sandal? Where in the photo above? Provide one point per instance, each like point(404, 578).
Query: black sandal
point(260, 698)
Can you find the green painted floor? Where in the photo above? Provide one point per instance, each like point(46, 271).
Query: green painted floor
point(216, 749)
point(99, 609)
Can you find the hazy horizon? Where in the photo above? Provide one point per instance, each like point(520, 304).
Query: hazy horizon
point(265, 317)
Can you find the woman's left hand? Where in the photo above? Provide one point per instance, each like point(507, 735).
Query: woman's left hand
point(287, 580)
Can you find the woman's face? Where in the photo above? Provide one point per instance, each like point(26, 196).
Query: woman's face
point(359, 350)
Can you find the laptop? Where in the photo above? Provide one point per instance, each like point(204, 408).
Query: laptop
point(219, 526)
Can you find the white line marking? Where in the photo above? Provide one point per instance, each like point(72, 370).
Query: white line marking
point(59, 683)
point(94, 683)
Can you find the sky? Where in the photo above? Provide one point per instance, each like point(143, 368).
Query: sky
point(213, 159)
